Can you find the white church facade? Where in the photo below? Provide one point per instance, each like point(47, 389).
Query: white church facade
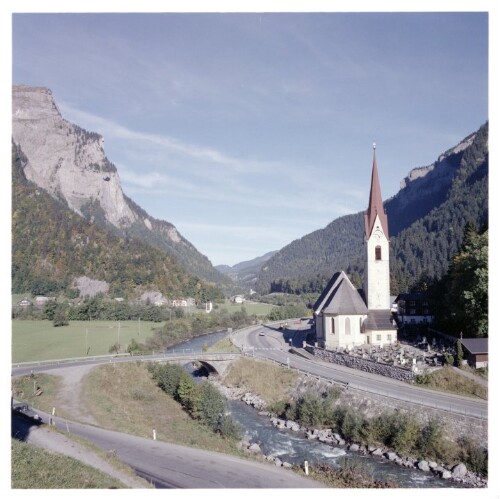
point(346, 317)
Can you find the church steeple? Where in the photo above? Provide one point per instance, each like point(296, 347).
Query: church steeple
point(375, 204)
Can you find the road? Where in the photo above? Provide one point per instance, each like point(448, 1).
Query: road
point(173, 466)
point(271, 343)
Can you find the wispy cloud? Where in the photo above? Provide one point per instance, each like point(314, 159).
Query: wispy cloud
point(202, 173)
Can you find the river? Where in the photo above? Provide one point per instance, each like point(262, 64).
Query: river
point(296, 448)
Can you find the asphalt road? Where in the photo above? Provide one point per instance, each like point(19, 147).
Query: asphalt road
point(273, 344)
point(173, 466)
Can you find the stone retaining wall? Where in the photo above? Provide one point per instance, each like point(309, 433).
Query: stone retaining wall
point(368, 365)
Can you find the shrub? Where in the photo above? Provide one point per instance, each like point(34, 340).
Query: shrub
point(352, 425)
point(460, 353)
point(473, 455)
point(167, 377)
point(448, 359)
point(228, 428)
point(211, 405)
point(405, 432)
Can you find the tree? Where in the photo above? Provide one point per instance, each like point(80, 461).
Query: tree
point(460, 353)
point(462, 294)
point(60, 317)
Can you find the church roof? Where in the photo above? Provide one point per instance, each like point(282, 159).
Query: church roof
point(379, 320)
point(340, 297)
point(375, 205)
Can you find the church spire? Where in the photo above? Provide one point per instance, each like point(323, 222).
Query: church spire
point(375, 205)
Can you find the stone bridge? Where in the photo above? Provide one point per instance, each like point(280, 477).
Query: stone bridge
point(214, 363)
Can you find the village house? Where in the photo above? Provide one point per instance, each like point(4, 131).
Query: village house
point(184, 302)
point(24, 303)
point(346, 317)
point(475, 351)
point(413, 308)
point(43, 300)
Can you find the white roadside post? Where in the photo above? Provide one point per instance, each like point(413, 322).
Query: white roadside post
point(306, 467)
point(154, 434)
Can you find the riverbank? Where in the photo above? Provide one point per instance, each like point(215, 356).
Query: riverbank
point(456, 473)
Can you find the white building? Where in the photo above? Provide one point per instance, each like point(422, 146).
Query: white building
point(346, 317)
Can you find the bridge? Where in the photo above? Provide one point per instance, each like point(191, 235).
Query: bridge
point(213, 362)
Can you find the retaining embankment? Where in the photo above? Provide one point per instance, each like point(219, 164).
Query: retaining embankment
point(368, 365)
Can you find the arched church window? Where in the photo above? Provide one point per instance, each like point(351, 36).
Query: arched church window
point(333, 325)
point(378, 253)
point(347, 325)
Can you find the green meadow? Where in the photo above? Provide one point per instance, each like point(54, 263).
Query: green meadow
point(252, 307)
point(40, 340)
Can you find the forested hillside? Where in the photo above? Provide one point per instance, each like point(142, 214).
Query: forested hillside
point(426, 222)
point(52, 245)
point(70, 164)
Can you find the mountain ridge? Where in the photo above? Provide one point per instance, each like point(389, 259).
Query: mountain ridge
point(452, 190)
point(70, 164)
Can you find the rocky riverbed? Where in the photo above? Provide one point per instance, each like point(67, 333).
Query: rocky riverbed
point(456, 473)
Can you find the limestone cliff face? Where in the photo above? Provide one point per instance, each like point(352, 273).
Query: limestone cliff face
point(442, 168)
point(64, 159)
point(70, 164)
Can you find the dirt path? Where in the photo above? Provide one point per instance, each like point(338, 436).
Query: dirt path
point(69, 400)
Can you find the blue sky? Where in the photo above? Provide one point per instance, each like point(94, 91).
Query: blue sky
point(247, 131)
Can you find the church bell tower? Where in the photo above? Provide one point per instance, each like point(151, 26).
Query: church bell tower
point(377, 277)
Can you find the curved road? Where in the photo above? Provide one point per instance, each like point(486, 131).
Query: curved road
point(169, 465)
point(267, 342)
point(173, 466)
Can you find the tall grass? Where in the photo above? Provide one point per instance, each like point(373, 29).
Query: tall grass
point(448, 380)
point(124, 397)
point(269, 381)
point(35, 468)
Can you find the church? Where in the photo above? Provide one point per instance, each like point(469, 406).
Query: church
point(346, 317)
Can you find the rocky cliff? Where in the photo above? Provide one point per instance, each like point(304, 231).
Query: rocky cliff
point(70, 164)
point(65, 160)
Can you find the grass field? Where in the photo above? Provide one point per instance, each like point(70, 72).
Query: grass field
point(123, 397)
point(34, 468)
point(259, 309)
point(40, 340)
point(268, 380)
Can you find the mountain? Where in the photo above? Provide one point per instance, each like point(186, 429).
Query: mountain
point(245, 273)
point(69, 163)
point(56, 251)
point(426, 221)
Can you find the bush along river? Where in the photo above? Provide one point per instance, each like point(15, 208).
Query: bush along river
point(294, 447)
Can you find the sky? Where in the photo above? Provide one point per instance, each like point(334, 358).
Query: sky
point(250, 130)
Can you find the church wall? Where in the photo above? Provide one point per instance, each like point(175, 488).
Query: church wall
point(341, 337)
point(320, 336)
point(381, 337)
